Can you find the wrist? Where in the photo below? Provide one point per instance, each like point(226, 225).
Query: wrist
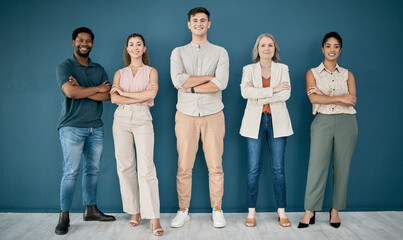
point(339, 99)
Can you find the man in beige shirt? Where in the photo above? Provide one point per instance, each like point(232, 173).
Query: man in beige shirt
point(199, 70)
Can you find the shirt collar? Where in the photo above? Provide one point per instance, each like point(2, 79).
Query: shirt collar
point(323, 68)
point(75, 62)
point(199, 46)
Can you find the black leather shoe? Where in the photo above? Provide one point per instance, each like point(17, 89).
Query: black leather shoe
point(311, 221)
point(92, 213)
point(64, 223)
point(333, 224)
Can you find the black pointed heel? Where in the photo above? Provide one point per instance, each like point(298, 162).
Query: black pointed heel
point(311, 221)
point(335, 225)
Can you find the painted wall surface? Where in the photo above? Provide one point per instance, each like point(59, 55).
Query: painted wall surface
point(36, 36)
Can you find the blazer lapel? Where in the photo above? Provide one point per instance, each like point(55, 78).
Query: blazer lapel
point(275, 71)
point(257, 75)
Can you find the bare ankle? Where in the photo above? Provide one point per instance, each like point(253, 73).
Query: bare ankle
point(251, 213)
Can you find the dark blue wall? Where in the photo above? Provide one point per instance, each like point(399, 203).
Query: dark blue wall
point(36, 36)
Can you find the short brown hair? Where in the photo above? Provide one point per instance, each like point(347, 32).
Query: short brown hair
point(193, 12)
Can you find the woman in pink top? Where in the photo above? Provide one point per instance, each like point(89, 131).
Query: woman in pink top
point(134, 89)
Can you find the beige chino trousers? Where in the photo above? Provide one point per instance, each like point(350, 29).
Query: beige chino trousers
point(188, 130)
point(139, 190)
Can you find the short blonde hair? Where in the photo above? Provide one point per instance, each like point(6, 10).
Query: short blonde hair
point(255, 51)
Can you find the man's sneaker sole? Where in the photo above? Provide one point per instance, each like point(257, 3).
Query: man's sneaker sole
point(219, 226)
point(186, 219)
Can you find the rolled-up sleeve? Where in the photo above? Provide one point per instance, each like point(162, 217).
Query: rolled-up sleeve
point(178, 74)
point(222, 72)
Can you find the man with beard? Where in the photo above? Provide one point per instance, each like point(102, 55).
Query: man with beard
point(84, 86)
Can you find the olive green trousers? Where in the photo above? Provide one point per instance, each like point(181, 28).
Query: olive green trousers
point(337, 133)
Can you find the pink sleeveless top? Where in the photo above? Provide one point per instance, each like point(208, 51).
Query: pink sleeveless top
point(137, 83)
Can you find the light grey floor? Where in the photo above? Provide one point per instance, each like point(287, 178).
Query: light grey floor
point(355, 225)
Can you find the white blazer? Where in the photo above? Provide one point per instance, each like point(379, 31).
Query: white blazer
point(258, 96)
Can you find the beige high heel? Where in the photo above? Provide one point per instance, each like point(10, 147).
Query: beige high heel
point(250, 222)
point(156, 232)
point(134, 222)
point(283, 221)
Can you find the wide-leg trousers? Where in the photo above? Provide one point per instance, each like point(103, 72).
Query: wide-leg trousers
point(132, 125)
point(337, 133)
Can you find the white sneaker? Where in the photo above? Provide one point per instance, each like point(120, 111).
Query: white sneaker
point(218, 219)
point(180, 219)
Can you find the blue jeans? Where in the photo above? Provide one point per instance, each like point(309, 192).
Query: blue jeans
point(86, 144)
point(277, 150)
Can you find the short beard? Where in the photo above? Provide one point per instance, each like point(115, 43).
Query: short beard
point(85, 55)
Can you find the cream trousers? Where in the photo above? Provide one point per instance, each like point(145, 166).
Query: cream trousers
point(132, 125)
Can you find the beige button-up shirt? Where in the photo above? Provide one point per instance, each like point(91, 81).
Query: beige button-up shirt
point(331, 84)
point(199, 60)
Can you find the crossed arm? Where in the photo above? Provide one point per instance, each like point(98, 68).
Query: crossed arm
point(72, 89)
point(119, 96)
point(317, 97)
point(204, 87)
point(266, 95)
point(200, 84)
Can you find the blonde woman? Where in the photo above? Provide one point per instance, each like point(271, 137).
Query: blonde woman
point(134, 89)
point(266, 86)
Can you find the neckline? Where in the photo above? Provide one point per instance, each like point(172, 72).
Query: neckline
point(199, 45)
point(138, 69)
point(132, 73)
point(336, 68)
